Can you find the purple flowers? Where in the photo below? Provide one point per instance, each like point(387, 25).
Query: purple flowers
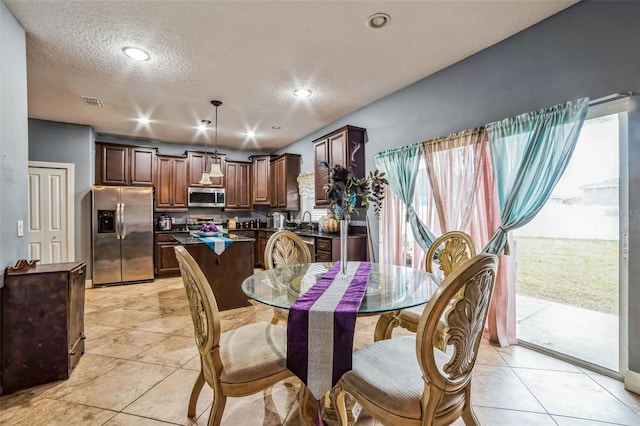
point(344, 190)
point(209, 227)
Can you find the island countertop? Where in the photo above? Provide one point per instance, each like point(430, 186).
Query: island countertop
point(188, 239)
point(226, 271)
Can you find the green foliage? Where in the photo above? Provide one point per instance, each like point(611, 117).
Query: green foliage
point(344, 190)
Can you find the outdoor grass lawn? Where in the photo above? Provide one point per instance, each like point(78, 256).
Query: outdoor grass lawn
point(581, 273)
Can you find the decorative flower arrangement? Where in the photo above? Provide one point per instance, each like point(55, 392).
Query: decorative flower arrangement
point(345, 189)
point(209, 227)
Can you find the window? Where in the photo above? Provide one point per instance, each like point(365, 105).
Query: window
point(306, 187)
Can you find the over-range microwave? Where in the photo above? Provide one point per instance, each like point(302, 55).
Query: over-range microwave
point(206, 197)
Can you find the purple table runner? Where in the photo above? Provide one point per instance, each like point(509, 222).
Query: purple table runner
point(321, 327)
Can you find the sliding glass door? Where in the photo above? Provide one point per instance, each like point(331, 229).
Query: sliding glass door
point(571, 259)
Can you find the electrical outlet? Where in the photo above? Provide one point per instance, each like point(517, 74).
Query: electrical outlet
point(20, 228)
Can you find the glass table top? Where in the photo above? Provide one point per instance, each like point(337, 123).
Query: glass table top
point(389, 287)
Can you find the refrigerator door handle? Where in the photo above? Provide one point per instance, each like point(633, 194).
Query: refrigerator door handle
point(123, 231)
point(118, 221)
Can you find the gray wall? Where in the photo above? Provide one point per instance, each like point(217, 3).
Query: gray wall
point(70, 143)
point(13, 140)
point(589, 49)
point(73, 143)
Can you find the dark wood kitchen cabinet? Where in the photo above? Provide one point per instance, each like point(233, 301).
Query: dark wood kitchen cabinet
point(41, 324)
point(238, 186)
point(284, 171)
point(196, 166)
point(344, 146)
point(261, 244)
point(261, 178)
point(171, 183)
point(125, 165)
point(328, 248)
point(166, 264)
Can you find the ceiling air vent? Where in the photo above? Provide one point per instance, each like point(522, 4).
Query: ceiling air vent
point(92, 101)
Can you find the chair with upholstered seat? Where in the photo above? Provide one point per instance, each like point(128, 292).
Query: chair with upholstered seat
point(446, 253)
point(284, 248)
point(236, 363)
point(407, 380)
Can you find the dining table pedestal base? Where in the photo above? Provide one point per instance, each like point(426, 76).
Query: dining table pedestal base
point(316, 412)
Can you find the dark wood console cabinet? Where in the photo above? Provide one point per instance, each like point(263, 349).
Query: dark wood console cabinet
point(41, 324)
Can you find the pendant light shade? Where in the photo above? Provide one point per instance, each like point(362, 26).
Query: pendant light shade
point(214, 171)
point(206, 178)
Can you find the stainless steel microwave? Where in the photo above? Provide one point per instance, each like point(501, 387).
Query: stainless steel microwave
point(206, 197)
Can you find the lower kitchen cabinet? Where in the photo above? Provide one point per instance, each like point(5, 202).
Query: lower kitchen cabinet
point(261, 240)
point(166, 264)
point(41, 324)
point(249, 233)
point(328, 248)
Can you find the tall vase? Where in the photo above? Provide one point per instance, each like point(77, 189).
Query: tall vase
point(344, 233)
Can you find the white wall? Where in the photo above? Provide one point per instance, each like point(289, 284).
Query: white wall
point(574, 221)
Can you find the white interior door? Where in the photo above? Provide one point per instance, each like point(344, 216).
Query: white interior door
point(49, 222)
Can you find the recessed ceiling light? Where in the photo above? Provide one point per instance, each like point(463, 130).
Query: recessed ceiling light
point(302, 93)
point(144, 120)
point(204, 125)
point(251, 134)
point(378, 20)
point(135, 53)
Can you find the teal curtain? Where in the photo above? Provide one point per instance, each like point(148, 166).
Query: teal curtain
point(529, 154)
point(401, 168)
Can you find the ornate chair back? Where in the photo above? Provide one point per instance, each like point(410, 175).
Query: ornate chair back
point(448, 251)
point(436, 391)
point(236, 363)
point(204, 313)
point(466, 317)
point(285, 248)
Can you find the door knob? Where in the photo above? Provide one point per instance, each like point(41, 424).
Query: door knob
point(54, 237)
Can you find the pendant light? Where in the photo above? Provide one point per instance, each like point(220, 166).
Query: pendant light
point(216, 172)
point(205, 180)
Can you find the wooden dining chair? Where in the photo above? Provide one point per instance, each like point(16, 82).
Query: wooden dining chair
point(446, 253)
point(284, 248)
point(236, 363)
point(407, 380)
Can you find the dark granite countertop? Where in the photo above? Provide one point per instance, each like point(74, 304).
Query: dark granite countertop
point(302, 232)
point(187, 239)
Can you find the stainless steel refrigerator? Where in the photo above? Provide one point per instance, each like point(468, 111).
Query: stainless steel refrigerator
point(122, 234)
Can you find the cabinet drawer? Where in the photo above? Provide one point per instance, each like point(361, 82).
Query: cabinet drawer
point(322, 256)
point(323, 245)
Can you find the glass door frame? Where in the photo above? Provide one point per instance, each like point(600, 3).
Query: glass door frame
point(614, 104)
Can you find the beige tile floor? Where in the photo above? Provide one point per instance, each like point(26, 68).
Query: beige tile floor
point(141, 361)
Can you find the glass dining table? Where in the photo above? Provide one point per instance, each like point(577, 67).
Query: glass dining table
point(389, 287)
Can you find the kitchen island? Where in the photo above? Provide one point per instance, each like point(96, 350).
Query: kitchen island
point(226, 271)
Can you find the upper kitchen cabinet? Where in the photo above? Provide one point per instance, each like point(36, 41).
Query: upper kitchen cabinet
point(171, 183)
point(284, 171)
point(344, 146)
point(125, 165)
point(238, 189)
point(261, 178)
point(196, 167)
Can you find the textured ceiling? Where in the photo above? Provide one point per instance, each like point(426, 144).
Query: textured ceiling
point(250, 55)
